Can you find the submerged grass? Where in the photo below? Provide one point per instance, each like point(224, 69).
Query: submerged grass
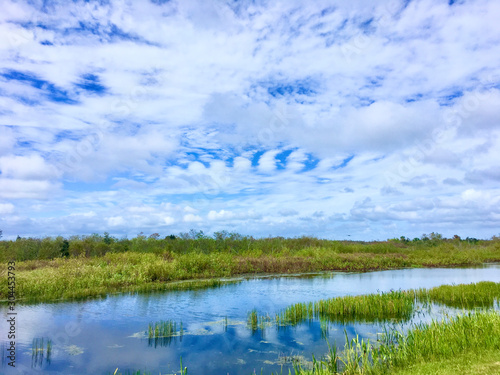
point(40, 349)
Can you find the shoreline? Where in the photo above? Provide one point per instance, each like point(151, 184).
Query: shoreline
point(102, 290)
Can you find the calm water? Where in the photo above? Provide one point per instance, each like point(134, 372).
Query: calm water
point(100, 335)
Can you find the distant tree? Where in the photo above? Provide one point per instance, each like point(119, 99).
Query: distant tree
point(196, 235)
point(65, 249)
point(436, 236)
point(154, 236)
point(171, 237)
point(184, 235)
point(236, 236)
point(1, 233)
point(471, 240)
point(107, 239)
point(18, 238)
point(222, 235)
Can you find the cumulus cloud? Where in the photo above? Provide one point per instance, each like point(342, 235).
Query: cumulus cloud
point(265, 118)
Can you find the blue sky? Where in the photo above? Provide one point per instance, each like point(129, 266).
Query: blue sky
point(346, 119)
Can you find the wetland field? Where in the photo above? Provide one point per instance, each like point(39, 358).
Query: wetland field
point(237, 305)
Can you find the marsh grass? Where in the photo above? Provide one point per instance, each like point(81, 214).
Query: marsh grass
point(73, 279)
point(97, 266)
point(256, 321)
point(162, 333)
point(396, 306)
point(422, 344)
point(439, 340)
point(482, 294)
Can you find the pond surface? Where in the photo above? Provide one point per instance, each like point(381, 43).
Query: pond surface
point(98, 336)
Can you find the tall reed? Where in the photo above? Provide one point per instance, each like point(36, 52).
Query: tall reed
point(395, 305)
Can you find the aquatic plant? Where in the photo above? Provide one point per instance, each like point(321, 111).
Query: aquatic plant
point(256, 321)
point(396, 306)
point(162, 332)
point(164, 328)
point(40, 349)
point(482, 294)
point(423, 344)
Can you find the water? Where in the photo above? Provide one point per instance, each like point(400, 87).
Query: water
point(99, 336)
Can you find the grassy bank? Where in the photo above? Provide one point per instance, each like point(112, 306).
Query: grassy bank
point(59, 269)
point(425, 346)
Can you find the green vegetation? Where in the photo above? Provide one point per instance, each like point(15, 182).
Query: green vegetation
point(423, 346)
point(484, 362)
point(395, 306)
point(76, 278)
point(256, 321)
point(482, 294)
point(92, 266)
point(164, 328)
point(161, 333)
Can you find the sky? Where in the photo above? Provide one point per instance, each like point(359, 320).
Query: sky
point(362, 120)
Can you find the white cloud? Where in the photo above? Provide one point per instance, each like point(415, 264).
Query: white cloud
point(116, 221)
point(168, 220)
point(191, 218)
point(267, 162)
point(27, 189)
point(221, 215)
point(27, 167)
point(398, 103)
point(6, 208)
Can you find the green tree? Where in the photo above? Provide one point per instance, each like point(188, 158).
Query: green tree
point(107, 239)
point(65, 249)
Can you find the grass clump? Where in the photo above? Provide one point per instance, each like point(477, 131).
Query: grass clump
point(164, 328)
point(163, 332)
point(482, 294)
point(395, 305)
point(256, 321)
